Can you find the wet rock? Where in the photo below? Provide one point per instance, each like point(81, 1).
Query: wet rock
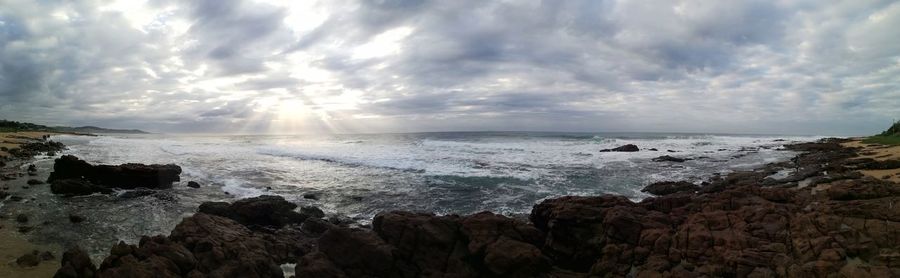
point(34, 182)
point(125, 176)
point(29, 260)
point(311, 196)
point(266, 210)
point(653, 149)
point(76, 264)
point(669, 187)
point(624, 148)
point(667, 158)
point(32, 168)
point(24, 229)
point(76, 218)
point(21, 218)
point(193, 184)
point(312, 211)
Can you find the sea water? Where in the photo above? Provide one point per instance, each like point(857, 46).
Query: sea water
point(358, 176)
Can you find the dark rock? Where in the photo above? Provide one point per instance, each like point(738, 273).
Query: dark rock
point(193, 184)
point(653, 149)
point(672, 151)
point(76, 264)
point(34, 182)
point(46, 256)
point(312, 211)
point(72, 187)
point(624, 148)
point(272, 211)
point(32, 168)
point(125, 176)
point(29, 260)
point(666, 158)
point(24, 229)
point(669, 187)
point(311, 196)
point(76, 218)
point(21, 218)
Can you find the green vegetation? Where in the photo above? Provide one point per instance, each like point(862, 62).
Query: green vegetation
point(891, 136)
point(11, 126)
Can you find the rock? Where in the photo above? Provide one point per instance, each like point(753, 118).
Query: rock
point(666, 158)
point(206, 245)
point(76, 264)
point(312, 211)
point(32, 168)
point(72, 187)
point(653, 149)
point(311, 196)
point(24, 229)
point(29, 260)
point(125, 176)
point(669, 187)
point(46, 256)
point(34, 182)
point(193, 184)
point(272, 211)
point(76, 218)
point(21, 218)
point(624, 148)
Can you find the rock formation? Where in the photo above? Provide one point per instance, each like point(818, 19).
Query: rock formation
point(73, 176)
point(744, 224)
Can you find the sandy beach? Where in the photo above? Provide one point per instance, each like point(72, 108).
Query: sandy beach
point(878, 153)
point(14, 241)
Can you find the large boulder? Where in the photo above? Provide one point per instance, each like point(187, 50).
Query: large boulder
point(266, 210)
point(125, 176)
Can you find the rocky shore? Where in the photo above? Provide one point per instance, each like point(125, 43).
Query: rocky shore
point(822, 214)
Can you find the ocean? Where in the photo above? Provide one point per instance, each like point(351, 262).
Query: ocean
point(356, 176)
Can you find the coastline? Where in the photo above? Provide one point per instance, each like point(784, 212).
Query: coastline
point(735, 218)
point(16, 243)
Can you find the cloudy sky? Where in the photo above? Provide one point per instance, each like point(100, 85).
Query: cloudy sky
point(244, 66)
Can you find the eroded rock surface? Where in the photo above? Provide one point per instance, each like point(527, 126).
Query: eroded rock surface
point(744, 224)
point(73, 176)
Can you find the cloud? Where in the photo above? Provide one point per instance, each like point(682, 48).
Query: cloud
point(394, 65)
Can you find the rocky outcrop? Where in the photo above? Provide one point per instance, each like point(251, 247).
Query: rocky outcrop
point(624, 148)
point(73, 176)
point(262, 211)
point(35, 148)
point(202, 245)
point(668, 158)
point(744, 224)
point(670, 187)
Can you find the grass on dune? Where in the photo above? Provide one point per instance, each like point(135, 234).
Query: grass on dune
point(891, 136)
point(883, 140)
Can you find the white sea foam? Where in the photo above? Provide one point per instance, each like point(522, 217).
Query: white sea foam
point(433, 172)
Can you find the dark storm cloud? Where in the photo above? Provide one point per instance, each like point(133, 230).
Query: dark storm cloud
point(795, 66)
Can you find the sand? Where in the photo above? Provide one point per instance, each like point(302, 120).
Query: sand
point(12, 243)
point(12, 140)
point(880, 153)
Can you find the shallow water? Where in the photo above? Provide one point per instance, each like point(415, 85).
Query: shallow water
point(358, 176)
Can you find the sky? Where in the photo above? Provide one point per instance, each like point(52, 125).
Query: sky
point(344, 66)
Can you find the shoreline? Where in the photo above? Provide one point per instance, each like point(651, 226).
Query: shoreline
point(16, 243)
point(313, 243)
